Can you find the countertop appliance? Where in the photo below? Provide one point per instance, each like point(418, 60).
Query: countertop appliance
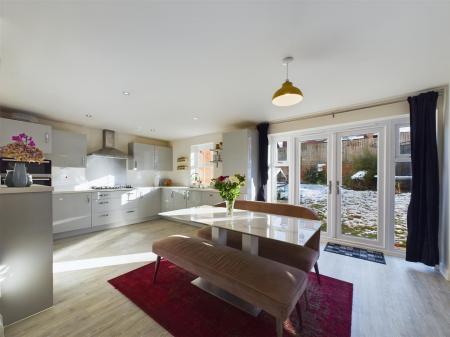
point(41, 173)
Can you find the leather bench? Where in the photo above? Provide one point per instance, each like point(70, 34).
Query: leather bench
point(246, 276)
point(304, 258)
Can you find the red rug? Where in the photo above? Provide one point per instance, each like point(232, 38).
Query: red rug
point(186, 311)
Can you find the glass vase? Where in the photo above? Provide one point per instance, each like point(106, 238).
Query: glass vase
point(229, 204)
point(20, 176)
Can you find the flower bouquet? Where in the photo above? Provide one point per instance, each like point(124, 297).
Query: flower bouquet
point(229, 189)
point(23, 149)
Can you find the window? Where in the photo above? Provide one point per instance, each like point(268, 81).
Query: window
point(402, 181)
point(280, 172)
point(201, 167)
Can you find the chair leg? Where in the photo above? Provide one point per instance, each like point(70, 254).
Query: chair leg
point(279, 327)
point(316, 268)
point(158, 260)
point(298, 308)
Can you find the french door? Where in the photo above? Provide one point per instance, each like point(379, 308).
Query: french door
point(341, 176)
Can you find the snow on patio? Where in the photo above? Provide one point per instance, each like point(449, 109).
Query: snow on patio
point(359, 210)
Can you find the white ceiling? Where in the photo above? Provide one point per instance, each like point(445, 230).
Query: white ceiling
point(215, 60)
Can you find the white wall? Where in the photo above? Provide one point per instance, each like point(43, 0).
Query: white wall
point(182, 148)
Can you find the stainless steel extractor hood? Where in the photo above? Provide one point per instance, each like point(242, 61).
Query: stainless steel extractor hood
point(108, 150)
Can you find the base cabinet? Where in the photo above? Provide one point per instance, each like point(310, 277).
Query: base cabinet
point(149, 202)
point(71, 211)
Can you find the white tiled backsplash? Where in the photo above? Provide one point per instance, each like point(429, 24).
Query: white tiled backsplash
point(68, 178)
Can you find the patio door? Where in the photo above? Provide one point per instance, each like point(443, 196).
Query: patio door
point(341, 176)
point(359, 186)
point(314, 175)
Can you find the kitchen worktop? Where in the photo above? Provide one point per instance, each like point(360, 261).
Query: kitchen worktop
point(88, 190)
point(31, 189)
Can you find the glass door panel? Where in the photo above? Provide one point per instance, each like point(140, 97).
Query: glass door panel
point(358, 195)
point(313, 189)
point(282, 184)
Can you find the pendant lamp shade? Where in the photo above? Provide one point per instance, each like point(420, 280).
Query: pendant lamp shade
point(288, 94)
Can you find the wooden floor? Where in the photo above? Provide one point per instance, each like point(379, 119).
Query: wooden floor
point(397, 299)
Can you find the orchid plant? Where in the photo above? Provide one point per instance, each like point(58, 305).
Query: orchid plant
point(23, 148)
point(229, 186)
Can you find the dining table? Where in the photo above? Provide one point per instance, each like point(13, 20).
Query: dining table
point(253, 226)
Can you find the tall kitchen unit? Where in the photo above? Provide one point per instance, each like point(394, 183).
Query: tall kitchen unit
point(240, 155)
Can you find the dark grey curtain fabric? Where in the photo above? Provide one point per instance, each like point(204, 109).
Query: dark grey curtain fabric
point(423, 211)
point(263, 129)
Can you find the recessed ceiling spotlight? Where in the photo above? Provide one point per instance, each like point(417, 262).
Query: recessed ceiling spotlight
point(126, 93)
point(88, 115)
point(195, 118)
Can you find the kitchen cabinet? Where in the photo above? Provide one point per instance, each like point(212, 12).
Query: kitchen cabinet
point(163, 158)
point(149, 202)
point(211, 198)
point(149, 157)
point(69, 149)
point(193, 198)
point(142, 156)
point(71, 211)
point(42, 134)
point(172, 199)
point(114, 207)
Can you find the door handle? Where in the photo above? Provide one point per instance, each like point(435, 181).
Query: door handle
point(330, 187)
point(338, 187)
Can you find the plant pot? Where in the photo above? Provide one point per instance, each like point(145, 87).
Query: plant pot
point(229, 204)
point(20, 176)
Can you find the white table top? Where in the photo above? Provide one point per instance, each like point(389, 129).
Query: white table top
point(282, 228)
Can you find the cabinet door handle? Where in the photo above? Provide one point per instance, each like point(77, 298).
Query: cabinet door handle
point(83, 161)
point(171, 195)
point(105, 215)
point(131, 211)
point(330, 187)
point(103, 202)
point(338, 187)
point(88, 199)
point(47, 137)
point(135, 164)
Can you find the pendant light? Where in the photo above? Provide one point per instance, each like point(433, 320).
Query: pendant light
point(287, 95)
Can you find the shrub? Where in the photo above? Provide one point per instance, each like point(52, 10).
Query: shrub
point(313, 176)
point(367, 162)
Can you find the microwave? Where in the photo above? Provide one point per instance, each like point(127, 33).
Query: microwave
point(40, 172)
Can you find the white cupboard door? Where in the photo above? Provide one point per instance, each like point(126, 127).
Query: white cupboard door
point(149, 202)
point(42, 134)
point(180, 199)
point(69, 149)
point(163, 158)
point(211, 198)
point(193, 198)
point(71, 211)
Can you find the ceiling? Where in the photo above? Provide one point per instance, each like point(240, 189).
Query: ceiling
point(218, 61)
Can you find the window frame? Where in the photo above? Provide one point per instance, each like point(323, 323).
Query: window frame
point(195, 166)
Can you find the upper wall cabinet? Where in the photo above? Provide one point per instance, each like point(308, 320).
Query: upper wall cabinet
point(149, 157)
point(163, 158)
point(142, 156)
point(42, 134)
point(69, 149)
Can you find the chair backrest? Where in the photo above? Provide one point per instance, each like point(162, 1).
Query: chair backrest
point(281, 209)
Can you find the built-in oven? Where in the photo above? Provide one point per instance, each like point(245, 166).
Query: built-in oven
point(40, 172)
